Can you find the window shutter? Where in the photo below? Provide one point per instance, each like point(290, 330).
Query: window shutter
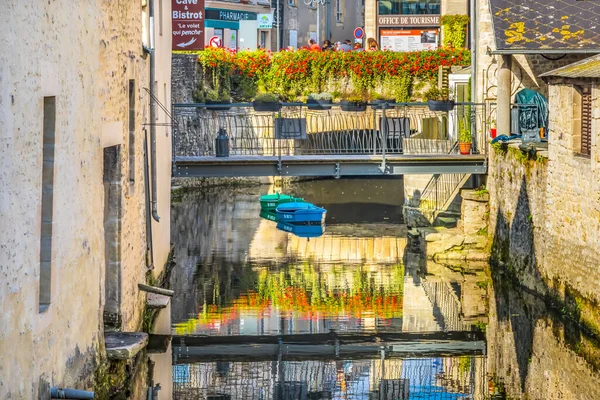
point(586, 121)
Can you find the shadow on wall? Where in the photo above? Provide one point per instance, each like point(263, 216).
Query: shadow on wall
point(522, 295)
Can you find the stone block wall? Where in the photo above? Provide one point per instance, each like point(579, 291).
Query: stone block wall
point(85, 56)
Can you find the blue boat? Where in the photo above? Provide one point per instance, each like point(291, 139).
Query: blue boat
point(300, 212)
point(303, 231)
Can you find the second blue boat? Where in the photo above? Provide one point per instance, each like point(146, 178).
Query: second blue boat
point(300, 212)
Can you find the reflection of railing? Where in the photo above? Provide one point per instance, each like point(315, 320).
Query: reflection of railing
point(439, 193)
point(295, 130)
point(451, 377)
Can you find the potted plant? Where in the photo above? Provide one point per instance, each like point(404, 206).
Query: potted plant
point(216, 97)
point(353, 102)
point(464, 140)
point(439, 99)
point(319, 101)
point(493, 130)
point(266, 102)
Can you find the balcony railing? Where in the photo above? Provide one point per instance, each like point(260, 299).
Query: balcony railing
point(401, 128)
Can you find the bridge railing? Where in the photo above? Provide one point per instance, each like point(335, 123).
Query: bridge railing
point(401, 128)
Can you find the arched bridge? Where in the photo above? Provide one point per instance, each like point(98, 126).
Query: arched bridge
point(399, 139)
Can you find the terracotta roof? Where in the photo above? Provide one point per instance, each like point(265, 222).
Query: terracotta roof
point(586, 68)
point(522, 26)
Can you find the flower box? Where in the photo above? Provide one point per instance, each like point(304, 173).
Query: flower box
point(383, 103)
point(435, 105)
point(224, 105)
point(264, 106)
point(313, 104)
point(355, 106)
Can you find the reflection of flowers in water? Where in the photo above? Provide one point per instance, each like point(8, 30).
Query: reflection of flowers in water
point(309, 294)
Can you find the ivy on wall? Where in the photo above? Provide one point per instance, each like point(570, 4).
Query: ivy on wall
point(454, 30)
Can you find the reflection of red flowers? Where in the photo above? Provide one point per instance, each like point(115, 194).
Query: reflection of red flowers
point(296, 300)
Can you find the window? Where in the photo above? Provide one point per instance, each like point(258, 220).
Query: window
point(582, 120)
point(48, 134)
point(338, 10)
point(586, 121)
point(409, 7)
point(292, 3)
point(131, 143)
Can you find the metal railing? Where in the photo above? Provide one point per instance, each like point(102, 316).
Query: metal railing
point(402, 128)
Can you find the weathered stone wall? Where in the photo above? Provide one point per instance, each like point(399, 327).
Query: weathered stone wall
point(544, 218)
point(572, 221)
point(185, 74)
point(518, 204)
point(85, 56)
point(55, 54)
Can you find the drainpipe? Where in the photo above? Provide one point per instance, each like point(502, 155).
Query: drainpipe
point(152, 111)
point(328, 33)
point(60, 393)
point(473, 36)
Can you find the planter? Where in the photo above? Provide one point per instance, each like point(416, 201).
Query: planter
point(493, 132)
point(346, 105)
point(272, 106)
point(379, 104)
point(440, 105)
point(318, 104)
point(464, 148)
point(224, 105)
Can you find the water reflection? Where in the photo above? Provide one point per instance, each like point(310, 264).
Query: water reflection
point(237, 274)
point(420, 378)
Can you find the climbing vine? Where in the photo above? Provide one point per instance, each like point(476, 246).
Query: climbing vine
point(455, 30)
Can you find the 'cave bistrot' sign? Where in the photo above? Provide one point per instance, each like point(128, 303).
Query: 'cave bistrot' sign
point(188, 24)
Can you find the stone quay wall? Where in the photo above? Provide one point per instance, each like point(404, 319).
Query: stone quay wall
point(544, 223)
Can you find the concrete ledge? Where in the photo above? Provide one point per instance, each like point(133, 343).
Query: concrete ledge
point(156, 300)
point(124, 345)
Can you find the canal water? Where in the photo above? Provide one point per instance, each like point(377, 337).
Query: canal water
point(272, 303)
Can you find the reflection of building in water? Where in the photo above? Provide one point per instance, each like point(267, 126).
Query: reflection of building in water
point(447, 378)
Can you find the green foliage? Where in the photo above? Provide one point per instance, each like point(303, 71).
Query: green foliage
point(292, 75)
point(482, 191)
point(454, 30)
point(436, 94)
point(320, 96)
point(216, 95)
point(480, 326)
point(266, 98)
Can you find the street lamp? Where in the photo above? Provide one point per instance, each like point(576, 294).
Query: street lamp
point(317, 4)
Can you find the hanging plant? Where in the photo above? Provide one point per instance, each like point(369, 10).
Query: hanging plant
point(454, 30)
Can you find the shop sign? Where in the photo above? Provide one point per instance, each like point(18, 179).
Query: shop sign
point(408, 20)
point(187, 20)
point(229, 15)
point(265, 21)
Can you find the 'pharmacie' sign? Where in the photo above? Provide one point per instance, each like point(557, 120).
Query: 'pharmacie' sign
point(229, 15)
point(408, 20)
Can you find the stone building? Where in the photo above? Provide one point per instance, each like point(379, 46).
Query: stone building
point(332, 19)
point(545, 211)
point(75, 196)
point(240, 25)
point(407, 25)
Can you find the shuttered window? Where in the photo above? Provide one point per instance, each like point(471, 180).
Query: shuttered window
point(586, 121)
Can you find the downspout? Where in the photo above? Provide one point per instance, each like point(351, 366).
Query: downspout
point(473, 45)
point(328, 25)
point(473, 37)
point(152, 111)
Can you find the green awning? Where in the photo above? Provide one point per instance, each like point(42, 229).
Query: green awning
point(213, 23)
